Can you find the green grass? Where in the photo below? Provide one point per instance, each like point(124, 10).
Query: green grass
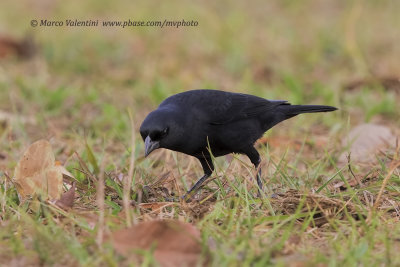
point(83, 83)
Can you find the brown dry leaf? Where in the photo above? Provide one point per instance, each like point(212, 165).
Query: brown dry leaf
point(67, 199)
point(24, 48)
point(35, 173)
point(366, 140)
point(175, 243)
point(66, 174)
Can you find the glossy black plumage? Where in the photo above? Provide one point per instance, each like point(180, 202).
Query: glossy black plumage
point(193, 121)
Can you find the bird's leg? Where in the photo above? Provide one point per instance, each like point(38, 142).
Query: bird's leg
point(255, 159)
point(194, 188)
point(208, 168)
point(259, 182)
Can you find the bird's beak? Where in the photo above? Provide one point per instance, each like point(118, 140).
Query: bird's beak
point(150, 145)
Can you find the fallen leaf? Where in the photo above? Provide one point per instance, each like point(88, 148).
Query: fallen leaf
point(365, 141)
point(24, 48)
point(175, 243)
point(66, 174)
point(67, 199)
point(36, 174)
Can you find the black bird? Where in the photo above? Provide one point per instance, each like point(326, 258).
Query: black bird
point(197, 121)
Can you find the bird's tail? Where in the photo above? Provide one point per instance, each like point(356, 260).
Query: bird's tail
point(293, 110)
point(286, 111)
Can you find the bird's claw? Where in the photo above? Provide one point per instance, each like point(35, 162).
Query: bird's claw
point(188, 197)
point(171, 199)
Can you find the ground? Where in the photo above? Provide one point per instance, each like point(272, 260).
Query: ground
point(87, 89)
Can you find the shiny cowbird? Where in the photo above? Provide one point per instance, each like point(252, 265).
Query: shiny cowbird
point(201, 123)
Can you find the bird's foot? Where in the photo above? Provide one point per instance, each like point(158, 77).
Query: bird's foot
point(260, 195)
point(171, 199)
point(188, 196)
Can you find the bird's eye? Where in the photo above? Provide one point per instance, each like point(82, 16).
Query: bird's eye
point(165, 132)
point(157, 135)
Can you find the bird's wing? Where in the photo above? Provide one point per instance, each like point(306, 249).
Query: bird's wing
point(218, 107)
point(240, 106)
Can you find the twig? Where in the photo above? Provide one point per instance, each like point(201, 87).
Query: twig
point(100, 204)
point(351, 170)
point(8, 177)
point(128, 179)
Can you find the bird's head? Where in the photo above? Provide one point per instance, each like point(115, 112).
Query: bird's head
point(160, 129)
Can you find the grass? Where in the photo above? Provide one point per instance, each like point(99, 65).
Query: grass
point(80, 88)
